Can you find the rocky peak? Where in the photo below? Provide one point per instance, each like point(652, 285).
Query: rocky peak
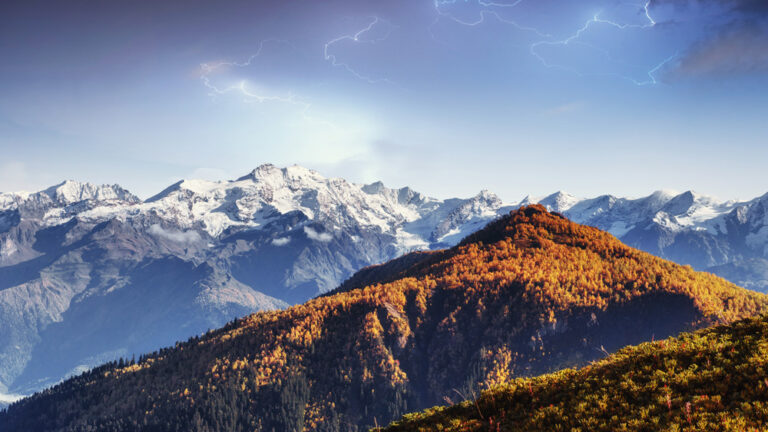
point(559, 201)
point(71, 192)
point(374, 188)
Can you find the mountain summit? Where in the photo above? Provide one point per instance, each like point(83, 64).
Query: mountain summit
point(532, 292)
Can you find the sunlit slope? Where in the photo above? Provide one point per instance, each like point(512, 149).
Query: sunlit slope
point(530, 293)
point(712, 380)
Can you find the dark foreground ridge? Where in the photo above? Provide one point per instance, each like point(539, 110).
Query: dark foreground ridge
point(531, 293)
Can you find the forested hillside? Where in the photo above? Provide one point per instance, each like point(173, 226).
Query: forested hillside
point(531, 293)
point(712, 380)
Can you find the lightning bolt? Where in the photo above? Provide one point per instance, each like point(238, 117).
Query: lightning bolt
point(647, 12)
point(242, 87)
point(252, 94)
point(488, 10)
point(652, 72)
point(439, 4)
point(596, 19)
point(548, 40)
point(358, 37)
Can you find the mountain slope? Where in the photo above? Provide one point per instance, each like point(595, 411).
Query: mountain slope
point(530, 293)
point(711, 380)
point(77, 259)
point(687, 228)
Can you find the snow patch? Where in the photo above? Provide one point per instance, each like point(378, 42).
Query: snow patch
point(452, 233)
point(9, 248)
point(316, 236)
point(408, 242)
point(282, 241)
point(174, 235)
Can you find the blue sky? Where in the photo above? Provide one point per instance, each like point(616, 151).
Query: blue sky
point(519, 97)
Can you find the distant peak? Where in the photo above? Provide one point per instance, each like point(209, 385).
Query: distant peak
point(165, 192)
point(700, 197)
point(683, 203)
point(665, 193)
point(487, 196)
point(71, 191)
point(302, 172)
point(269, 170)
point(259, 171)
point(691, 195)
point(374, 188)
point(528, 200)
point(559, 201)
point(561, 194)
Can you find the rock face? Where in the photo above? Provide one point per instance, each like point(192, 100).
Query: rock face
point(91, 273)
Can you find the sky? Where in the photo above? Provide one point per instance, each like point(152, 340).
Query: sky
point(449, 97)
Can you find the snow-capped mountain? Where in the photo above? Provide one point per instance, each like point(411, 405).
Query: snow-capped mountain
point(90, 273)
point(728, 238)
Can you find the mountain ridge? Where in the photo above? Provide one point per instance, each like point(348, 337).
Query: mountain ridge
point(507, 301)
point(278, 236)
point(275, 236)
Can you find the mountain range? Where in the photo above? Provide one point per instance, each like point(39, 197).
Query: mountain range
point(92, 273)
point(532, 292)
point(727, 238)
